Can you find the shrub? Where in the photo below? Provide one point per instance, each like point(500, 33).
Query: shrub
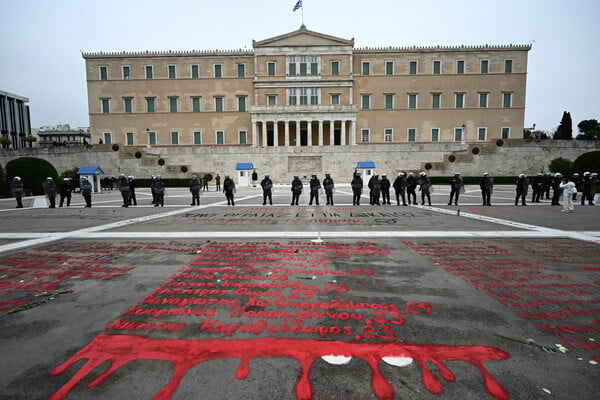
point(562, 165)
point(33, 171)
point(587, 162)
point(3, 185)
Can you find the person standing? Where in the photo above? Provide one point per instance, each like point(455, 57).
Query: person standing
point(254, 178)
point(152, 179)
point(315, 186)
point(328, 185)
point(86, 191)
point(158, 188)
point(267, 187)
point(66, 188)
point(50, 190)
point(546, 185)
point(556, 190)
point(425, 188)
point(229, 189)
point(486, 184)
point(297, 187)
point(16, 187)
point(536, 187)
point(456, 186)
point(385, 189)
point(205, 182)
point(357, 185)
point(400, 188)
point(586, 192)
point(568, 190)
point(132, 184)
point(195, 187)
point(411, 188)
point(217, 184)
point(124, 189)
point(522, 185)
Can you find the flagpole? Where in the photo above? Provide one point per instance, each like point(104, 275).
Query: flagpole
point(302, 13)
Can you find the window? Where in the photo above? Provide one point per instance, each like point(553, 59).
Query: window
point(303, 66)
point(364, 135)
point(460, 66)
point(365, 101)
point(335, 68)
point(292, 65)
point(218, 104)
point(195, 71)
point(412, 134)
point(128, 104)
point(389, 68)
point(171, 72)
point(459, 100)
point(314, 65)
point(505, 133)
point(481, 133)
point(241, 103)
point(196, 104)
point(458, 134)
point(389, 101)
point(388, 134)
point(151, 138)
point(437, 67)
point(508, 66)
point(412, 101)
point(483, 100)
point(241, 70)
point(314, 96)
point(242, 137)
point(292, 97)
point(150, 104)
point(126, 72)
point(303, 96)
point(129, 138)
point(149, 71)
point(413, 67)
point(435, 134)
point(197, 137)
point(105, 105)
point(485, 65)
point(218, 70)
point(103, 73)
point(271, 68)
point(174, 137)
point(366, 68)
point(220, 137)
point(335, 99)
point(107, 138)
point(173, 104)
point(507, 99)
point(435, 100)
point(271, 99)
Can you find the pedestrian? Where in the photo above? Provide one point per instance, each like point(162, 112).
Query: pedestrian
point(593, 188)
point(521, 189)
point(400, 188)
point(357, 185)
point(328, 185)
point(486, 184)
point(66, 188)
point(124, 189)
point(50, 190)
point(205, 182)
point(385, 185)
point(425, 188)
point(297, 187)
point(586, 192)
point(254, 178)
point(132, 185)
point(152, 179)
point(267, 187)
point(315, 186)
point(546, 185)
point(16, 187)
point(195, 187)
point(158, 188)
point(456, 186)
point(556, 190)
point(536, 187)
point(568, 189)
point(411, 188)
point(217, 183)
point(374, 190)
point(229, 190)
point(86, 191)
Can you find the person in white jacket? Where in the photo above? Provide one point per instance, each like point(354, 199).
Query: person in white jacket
point(568, 188)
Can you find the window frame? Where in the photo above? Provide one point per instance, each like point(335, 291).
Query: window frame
point(150, 104)
point(196, 101)
point(272, 97)
point(128, 105)
point(269, 64)
point(436, 97)
point(409, 132)
point(242, 137)
point(439, 67)
point(461, 96)
point(197, 137)
point(195, 71)
point(172, 71)
point(149, 71)
point(220, 137)
point(461, 66)
point(414, 96)
point(126, 76)
point(241, 70)
point(365, 135)
point(481, 96)
point(505, 96)
point(508, 66)
point(416, 67)
point(105, 105)
point(219, 103)
point(217, 70)
point(365, 101)
point(173, 104)
point(103, 72)
point(459, 133)
point(335, 71)
point(174, 138)
point(389, 63)
point(107, 137)
point(479, 131)
point(128, 136)
point(333, 96)
point(435, 134)
point(388, 101)
point(242, 103)
point(503, 130)
point(152, 138)
point(484, 66)
point(388, 135)
point(365, 66)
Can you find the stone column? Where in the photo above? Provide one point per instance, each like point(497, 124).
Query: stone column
point(275, 134)
point(287, 133)
point(331, 136)
point(255, 134)
point(343, 143)
point(321, 132)
point(309, 130)
point(264, 133)
point(352, 132)
point(298, 133)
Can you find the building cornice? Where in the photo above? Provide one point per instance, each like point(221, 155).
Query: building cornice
point(443, 49)
point(166, 54)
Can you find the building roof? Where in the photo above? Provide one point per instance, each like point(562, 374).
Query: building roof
point(243, 166)
point(303, 37)
point(90, 170)
point(365, 165)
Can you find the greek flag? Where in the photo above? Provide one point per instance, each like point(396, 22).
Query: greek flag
point(298, 5)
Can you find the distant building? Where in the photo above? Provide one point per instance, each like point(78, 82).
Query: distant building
point(15, 122)
point(63, 135)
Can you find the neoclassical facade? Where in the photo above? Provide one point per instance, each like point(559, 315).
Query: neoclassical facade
point(15, 121)
point(306, 88)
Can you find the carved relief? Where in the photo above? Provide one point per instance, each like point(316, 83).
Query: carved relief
point(305, 164)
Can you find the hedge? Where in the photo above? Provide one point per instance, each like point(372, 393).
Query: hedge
point(33, 171)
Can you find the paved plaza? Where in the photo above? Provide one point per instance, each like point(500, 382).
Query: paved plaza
point(299, 302)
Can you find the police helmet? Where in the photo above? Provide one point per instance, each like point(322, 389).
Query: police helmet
point(17, 178)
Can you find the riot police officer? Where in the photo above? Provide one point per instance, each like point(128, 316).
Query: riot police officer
point(229, 189)
point(267, 186)
point(357, 185)
point(16, 187)
point(328, 185)
point(456, 185)
point(400, 188)
point(425, 188)
point(385, 189)
point(195, 187)
point(297, 187)
point(315, 186)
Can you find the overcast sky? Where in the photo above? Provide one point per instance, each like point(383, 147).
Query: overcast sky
point(42, 41)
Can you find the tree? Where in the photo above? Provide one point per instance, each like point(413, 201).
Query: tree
point(33, 171)
point(565, 129)
point(589, 130)
point(562, 165)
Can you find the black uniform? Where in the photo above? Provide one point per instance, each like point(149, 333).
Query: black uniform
point(411, 187)
point(125, 191)
point(522, 185)
point(228, 189)
point(385, 189)
point(315, 185)
point(487, 185)
point(16, 187)
point(556, 190)
point(50, 190)
point(425, 187)
point(267, 186)
point(456, 186)
point(195, 187)
point(589, 189)
point(400, 188)
point(296, 190)
point(217, 183)
point(374, 190)
point(536, 187)
point(328, 185)
point(546, 185)
point(132, 185)
point(66, 188)
point(158, 188)
point(357, 185)
point(86, 192)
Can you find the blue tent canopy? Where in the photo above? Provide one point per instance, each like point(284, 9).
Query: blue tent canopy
point(243, 166)
point(90, 170)
point(365, 165)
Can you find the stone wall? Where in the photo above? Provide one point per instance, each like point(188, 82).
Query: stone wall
point(513, 157)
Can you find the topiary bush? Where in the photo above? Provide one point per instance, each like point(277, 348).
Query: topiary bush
point(562, 165)
point(33, 171)
point(587, 162)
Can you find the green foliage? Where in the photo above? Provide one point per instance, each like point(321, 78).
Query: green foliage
point(587, 162)
point(33, 171)
point(562, 165)
point(565, 129)
point(3, 185)
point(5, 141)
point(589, 130)
point(30, 139)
